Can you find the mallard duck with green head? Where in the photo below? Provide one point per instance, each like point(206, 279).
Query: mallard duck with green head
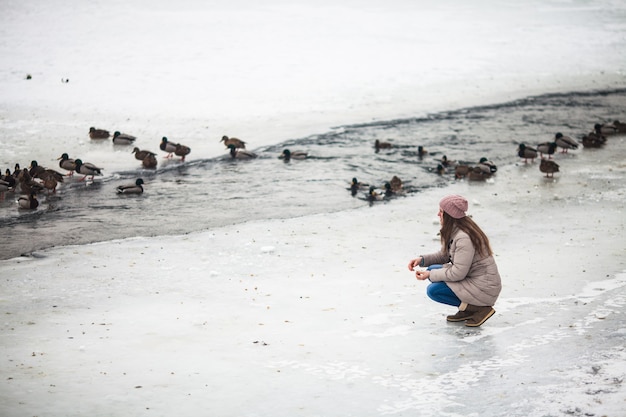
point(565, 142)
point(87, 169)
point(167, 146)
point(356, 185)
point(484, 162)
point(35, 169)
point(68, 164)
point(9, 179)
point(288, 155)
point(374, 195)
point(605, 129)
point(136, 188)
point(526, 152)
point(123, 138)
point(174, 148)
point(28, 202)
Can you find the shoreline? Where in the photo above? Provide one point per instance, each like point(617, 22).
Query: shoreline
point(444, 115)
point(254, 127)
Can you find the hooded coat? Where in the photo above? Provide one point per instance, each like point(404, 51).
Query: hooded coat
point(472, 277)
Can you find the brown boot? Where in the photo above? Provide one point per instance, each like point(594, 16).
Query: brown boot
point(460, 316)
point(480, 314)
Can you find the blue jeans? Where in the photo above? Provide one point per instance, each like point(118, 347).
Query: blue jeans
point(440, 292)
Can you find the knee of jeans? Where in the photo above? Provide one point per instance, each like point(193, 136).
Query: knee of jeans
point(432, 290)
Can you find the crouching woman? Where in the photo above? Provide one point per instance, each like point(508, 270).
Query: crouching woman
point(463, 273)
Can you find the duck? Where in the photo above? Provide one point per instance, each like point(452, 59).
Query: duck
point(393, 187)
point(98, 133)
point(16, 171)
point(149, 161)
point(421, 152)
point(4, 187)
point(240, 153)
point(28, 184)
point(355, 186)
point(378, 145)
point(565, 142)
point(167, 146)
point(440, 169)
point(9, 179)
point(374, 195)
point(135, 188)
point(35, 169)
point(484, 162)
point(461, 171)
point(174, 148)
point(548, 167)
point(182, 151)
point(288, 155)
point(87, 169)
point(395, 183)
point(619, 126)
point(68, 164)
point(479, 173)
point(447, 162)
point(123, 138)
point(526, 152)
point(141, 154)
point(601, 129)
point(28, 201)
point(592, 140)
point(238, 143)
point(546, 148)
point(388, 190)
point(51, 179)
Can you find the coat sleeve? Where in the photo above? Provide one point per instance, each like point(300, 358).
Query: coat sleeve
point(462, 253)
point(435, 258)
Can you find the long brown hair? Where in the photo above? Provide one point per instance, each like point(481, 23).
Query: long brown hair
point(477, 236)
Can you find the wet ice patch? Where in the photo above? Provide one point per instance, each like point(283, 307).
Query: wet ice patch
point(597, 288)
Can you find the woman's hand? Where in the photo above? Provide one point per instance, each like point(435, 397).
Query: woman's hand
point(422, 275)
point(414, 262)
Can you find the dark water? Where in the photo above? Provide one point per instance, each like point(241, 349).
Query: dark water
point(204, 194)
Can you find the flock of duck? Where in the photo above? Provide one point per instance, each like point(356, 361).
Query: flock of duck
point(37, 179)
point(594, 139)
point(484, 169)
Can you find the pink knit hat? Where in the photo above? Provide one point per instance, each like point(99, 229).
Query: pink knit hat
point(454, 205)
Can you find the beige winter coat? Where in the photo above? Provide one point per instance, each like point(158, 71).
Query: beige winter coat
point(474, 279)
